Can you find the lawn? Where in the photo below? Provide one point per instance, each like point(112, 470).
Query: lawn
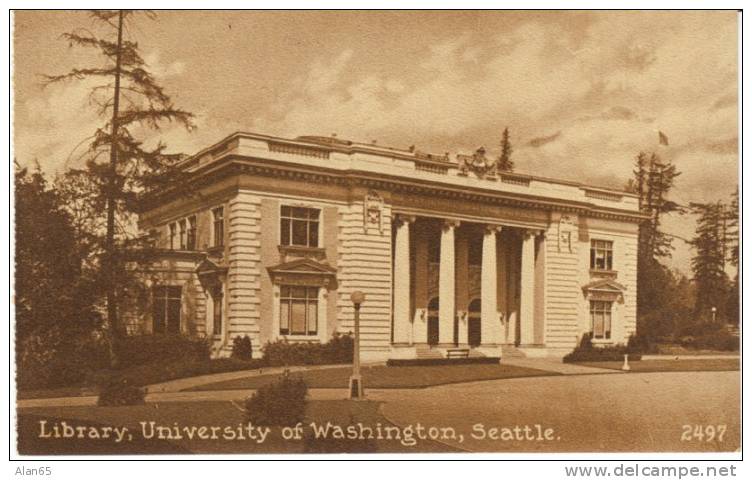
point(218, 414)
point(380, 376)
point(683, 365)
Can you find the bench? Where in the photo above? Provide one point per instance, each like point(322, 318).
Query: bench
point(457, 353)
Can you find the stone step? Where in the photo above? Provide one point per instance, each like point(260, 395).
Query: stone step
point(510, 351)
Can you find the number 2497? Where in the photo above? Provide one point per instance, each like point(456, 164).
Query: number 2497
point(703, 433)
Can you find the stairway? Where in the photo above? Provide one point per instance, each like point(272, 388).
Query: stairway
point(428, 353)
point(510, 351)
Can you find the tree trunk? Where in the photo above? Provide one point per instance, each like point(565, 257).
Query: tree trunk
point(109, 266)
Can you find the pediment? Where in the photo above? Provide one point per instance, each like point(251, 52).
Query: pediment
point(207, 267)
point(605, 285)
point(303, 266)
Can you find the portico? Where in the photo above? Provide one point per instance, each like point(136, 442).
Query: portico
point(461, 285)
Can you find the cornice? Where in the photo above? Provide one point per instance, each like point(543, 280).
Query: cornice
point(231, 165)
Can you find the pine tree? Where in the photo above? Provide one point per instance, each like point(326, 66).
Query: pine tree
point(652, 182)
point(505, 163)
point(708, 261)
point(129, 100)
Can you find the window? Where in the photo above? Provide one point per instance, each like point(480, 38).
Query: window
point(182, 234)
point(601, 255)
point(173, 234)
point(219, 226)
point(298, 310)
point(600, 319)
point(217, 299)
point(191, 240)
point(300, 226)
point(166, 309)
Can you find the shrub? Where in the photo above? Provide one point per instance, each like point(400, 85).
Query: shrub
point(135, 350)
point(639, 343)
point(587, 352)
point(117, 392)
point(339, 349)
point(49, 360)
point(242, 348)
point(281, 403)
point(720, 339)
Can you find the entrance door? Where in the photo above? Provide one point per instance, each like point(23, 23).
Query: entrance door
point(433, 321)
point(473, 323)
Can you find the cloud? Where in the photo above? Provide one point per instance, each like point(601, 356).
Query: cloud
point(540, 141)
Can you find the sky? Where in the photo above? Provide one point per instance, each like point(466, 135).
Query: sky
point(581, 92)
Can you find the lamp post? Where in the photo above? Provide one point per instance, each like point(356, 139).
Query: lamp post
point(356, 385)
point(713, 310)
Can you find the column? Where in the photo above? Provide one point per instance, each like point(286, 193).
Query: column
point(490, 325)
point(527, 288)
point(401, 280)
point(446, 283)
point(420, 320)
point(461, 283)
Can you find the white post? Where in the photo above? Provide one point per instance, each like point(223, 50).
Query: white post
point(527, 288)
point(490, 327)
point(402, 329)
point(446, 283)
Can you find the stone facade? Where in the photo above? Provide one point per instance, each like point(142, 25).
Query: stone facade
point(271, 236)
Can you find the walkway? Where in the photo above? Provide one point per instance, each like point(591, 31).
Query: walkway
point(556, 365)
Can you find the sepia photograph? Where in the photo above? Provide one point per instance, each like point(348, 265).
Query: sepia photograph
point(442, 232)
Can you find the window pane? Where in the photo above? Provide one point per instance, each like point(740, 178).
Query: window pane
point(313, 236)
point(285, 291)
point(312, 317)
point(298, 292)
point(598, 325)
point(313, 214)
point(217, 312)
point(607, 324)
point(284, 318)
point(313, 293)
point(285, 231)
point(297, 312)
point(299, 232)
point(299, 212)
point(609, 260)
point(285, 211)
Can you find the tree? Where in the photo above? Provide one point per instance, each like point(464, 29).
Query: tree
point(732, 304)
point(130, 101)
point(652, 182)
point(50, 290)
point(709, 260)
point(505, 163)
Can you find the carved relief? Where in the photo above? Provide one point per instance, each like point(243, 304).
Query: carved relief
point(373, 206)
point(477, 163)
point(567, 234)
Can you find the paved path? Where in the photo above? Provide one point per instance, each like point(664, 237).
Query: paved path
point(555, 365)
point(624, 412)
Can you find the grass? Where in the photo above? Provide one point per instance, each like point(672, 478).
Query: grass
point(221, 414)
point(380, 376)
point(683, 365)
point(142, 375)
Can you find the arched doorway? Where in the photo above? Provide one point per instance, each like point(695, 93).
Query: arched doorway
point(473, 323)
point(433, 321)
